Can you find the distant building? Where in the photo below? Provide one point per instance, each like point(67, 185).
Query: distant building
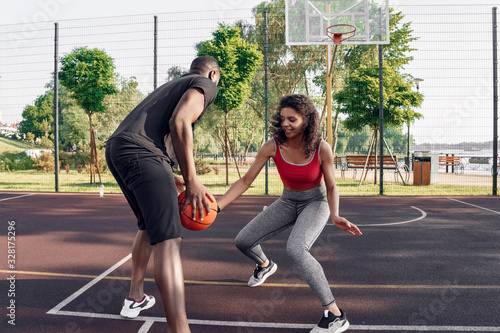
point(8, 130)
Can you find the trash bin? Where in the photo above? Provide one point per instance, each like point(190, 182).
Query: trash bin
point(422, 168)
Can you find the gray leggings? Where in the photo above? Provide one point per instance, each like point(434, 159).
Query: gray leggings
point(307, 213)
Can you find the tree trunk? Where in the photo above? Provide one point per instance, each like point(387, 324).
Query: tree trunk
point(226, 149)
point(94, 161)
point(91, 148)
point(376, 154)
point(232, 153)
point(335, 133)
point(249, 143)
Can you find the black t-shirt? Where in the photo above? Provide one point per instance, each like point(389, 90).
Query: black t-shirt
point(147, 124)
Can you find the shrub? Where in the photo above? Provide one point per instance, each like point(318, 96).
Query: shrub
point(82, 157)
point(66, 158)
point(15, 162)
point(45, 162)
point(202, 166)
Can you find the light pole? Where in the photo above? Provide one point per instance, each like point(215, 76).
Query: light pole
point(417, 84)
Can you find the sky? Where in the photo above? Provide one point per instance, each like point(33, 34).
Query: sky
point(22, 11)
point(456, 82)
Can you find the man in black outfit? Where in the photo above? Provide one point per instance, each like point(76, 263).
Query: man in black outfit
point(137, 156)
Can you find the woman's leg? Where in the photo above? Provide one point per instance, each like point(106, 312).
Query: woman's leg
point(313, 216)
point(274, 219)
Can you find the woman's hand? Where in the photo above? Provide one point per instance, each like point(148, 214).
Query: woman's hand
point(345, 225)
point(179, 183)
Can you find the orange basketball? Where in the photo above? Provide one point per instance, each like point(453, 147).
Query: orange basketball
point(187, 217)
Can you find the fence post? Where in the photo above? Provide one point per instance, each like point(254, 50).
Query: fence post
point(381, 110)
point(495, 102)
point(155, 53)
point(56, 107)
point(265, 98)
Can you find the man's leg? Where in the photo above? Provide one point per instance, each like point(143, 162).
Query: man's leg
point(169, 278)
point(141, 251)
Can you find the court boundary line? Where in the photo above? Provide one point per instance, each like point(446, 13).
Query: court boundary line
point(422, 216)
point(149, 321)
point(19, 196)
point(89, 285)
point(146, 326)
point(483, 208)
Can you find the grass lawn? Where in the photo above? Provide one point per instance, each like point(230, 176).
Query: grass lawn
point(14, 146)
point(32, 180)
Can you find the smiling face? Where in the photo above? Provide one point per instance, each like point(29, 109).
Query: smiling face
point(292, 122)
point(296, 118)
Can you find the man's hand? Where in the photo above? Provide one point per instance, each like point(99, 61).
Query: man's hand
point(199, 197)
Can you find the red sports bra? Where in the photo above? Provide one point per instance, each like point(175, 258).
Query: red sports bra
point(298, 175)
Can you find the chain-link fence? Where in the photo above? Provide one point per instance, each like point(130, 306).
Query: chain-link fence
point(453, 57)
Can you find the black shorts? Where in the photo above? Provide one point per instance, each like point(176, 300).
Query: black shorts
point(147, 181)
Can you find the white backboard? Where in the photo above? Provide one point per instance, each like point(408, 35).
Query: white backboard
point(307, 21)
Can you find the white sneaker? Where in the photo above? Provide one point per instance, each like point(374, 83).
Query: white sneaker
point(260, 274)
point(331, 323)
point(131, 308)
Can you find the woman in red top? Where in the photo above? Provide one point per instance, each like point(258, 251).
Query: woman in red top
point(310, 198)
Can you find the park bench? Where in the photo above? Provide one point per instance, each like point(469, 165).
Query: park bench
point(446, 161)
point(355, 162)
point(338, 162)
point(485, 163)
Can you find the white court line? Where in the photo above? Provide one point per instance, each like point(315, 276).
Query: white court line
point(424, 214)
point(19, 196)
point(483, 208)
point(146, 326)
point(89, 285)
point(149, 321)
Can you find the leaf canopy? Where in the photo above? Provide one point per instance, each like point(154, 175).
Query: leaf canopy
point(89, 75)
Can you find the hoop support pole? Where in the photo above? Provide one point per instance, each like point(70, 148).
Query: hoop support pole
point(329, 95)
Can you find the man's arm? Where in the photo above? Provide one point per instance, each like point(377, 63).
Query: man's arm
point(188, 109)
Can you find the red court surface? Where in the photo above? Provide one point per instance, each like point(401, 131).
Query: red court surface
point(422, 264)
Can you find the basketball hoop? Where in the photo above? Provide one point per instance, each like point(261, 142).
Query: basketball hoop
point(337, 36)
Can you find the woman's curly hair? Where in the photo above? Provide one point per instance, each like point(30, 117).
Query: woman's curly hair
point(311, 127)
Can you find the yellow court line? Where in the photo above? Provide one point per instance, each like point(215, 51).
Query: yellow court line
point(280, 285)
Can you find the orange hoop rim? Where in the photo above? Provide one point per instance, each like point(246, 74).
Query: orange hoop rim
point(339, 37)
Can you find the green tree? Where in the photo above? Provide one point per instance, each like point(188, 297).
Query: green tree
point(358, 141)
point(359, 100)
point(89, 75)
point(342, 140)
point(118, 106)
point(38, 119)
point(396, 139)
point(31, 139)
point(74, 128)
point(175, 72)
point(238, 60)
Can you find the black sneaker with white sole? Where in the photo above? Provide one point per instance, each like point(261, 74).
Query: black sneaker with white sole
point(131, 308)
point(260, 274)
point(330, 323)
